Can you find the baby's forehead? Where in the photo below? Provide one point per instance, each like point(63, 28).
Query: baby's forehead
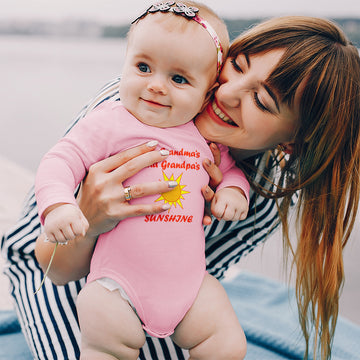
point(168, 21)
point(185, 34)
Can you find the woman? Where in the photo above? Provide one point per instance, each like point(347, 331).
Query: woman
point(307, 99)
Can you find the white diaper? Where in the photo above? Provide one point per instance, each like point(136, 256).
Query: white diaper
point(112, 285)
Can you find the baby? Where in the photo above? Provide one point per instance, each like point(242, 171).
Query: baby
point(149, 272)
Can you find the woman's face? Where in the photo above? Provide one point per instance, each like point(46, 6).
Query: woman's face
point(246, 112)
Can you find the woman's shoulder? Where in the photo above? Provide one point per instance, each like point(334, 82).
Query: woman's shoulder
point(108, 93)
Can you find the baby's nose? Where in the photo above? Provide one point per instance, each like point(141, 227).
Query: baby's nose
point(158, 86)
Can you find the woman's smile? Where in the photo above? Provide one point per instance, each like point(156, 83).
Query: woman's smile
point(218, 115)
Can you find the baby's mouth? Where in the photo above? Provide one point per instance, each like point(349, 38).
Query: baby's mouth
point(221, 115)
point(154, 103)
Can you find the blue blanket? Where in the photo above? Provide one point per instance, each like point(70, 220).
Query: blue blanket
point(12, 342)
point(267, 312)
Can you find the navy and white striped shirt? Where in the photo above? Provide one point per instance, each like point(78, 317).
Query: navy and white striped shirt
point(49, 319)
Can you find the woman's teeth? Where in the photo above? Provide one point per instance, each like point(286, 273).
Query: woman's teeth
point(221, 115)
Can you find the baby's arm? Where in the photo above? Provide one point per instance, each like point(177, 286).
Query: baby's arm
point(64, 222)
point(63, 167)
point(231, 200)
point(230, 204)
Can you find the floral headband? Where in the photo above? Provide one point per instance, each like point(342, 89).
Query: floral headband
point(190, 13)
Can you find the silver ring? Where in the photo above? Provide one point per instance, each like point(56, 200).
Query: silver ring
point(127, 193)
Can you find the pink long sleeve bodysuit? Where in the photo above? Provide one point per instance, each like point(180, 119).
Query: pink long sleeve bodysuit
point(159, 260)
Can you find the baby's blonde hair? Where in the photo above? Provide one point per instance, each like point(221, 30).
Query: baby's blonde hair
point(205, 13)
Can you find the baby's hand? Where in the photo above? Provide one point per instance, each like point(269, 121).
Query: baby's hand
point(229, 204)
point(64, 222)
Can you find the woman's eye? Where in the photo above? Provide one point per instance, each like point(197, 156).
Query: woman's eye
point(259, 104)
point(143, 67)
point(179, 79)
point(236, 65)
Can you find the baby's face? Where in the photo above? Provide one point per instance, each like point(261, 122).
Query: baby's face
point(168, 71)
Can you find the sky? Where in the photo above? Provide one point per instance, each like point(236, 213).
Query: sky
point(119, 11)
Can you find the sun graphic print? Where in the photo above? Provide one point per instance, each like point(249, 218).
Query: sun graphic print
point(174, 196)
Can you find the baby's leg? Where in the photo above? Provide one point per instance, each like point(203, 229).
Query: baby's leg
point(110, 329)
point(210, 329)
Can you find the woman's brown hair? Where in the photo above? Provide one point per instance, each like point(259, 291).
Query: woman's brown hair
point(324, 165)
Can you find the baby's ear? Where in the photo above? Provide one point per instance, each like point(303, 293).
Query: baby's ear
point(208, 96)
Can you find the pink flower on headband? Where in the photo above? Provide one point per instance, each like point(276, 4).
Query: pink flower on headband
point(182, 9)
point(162, 6)
point(168, 6)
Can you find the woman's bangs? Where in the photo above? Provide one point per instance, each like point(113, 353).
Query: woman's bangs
point(288, 74)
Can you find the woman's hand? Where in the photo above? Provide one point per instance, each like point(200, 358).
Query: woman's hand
point(215, 179)
point(101, 197)
point(102, 201)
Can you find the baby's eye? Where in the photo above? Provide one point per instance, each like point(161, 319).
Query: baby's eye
point(143, 67)
point(179, 79)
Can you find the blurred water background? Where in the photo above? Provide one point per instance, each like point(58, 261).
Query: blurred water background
point(44, 82)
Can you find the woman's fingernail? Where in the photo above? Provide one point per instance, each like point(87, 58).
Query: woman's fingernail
point(207, 162)
point(166, 207)
point(172, 184)
point(207, 190)
point(152, 143)
point(164, 152)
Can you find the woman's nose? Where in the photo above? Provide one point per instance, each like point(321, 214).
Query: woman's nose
point(229, 95)
point(157, 85)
